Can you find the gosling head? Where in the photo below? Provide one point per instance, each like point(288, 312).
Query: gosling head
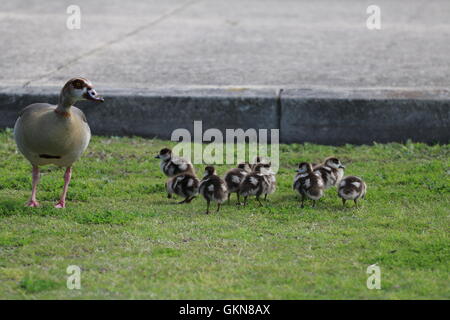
point(304, 167)
point(165, 154)
point(263, 168)
point(209, 171)
point(244, 166)
point(334, 163)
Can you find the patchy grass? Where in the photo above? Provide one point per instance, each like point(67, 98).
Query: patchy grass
point(132, 242)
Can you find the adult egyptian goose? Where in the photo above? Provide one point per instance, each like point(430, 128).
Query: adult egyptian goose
point(308, 183)
point(55, 134)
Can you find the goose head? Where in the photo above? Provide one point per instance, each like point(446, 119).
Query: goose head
point(245, 166)
point(77, 89)
point(304, 167)
point(263, 168)
point(165, 154)
point(209, 171)
point(334, 163)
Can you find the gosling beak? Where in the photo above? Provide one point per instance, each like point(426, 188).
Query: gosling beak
point(341, 166)
point(157, 157)
point(91, 94)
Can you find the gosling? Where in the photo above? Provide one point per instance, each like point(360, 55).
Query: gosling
point(260, 181)
point(184, 185)
point(234, 177)
point(172, 165)
point(213, 188)
point(352, 188)
point(308, 183)
point(331, 171)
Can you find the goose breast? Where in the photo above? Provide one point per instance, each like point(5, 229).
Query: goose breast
point(46, 137)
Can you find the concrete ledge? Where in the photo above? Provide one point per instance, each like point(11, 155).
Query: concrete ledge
point(158, 113)
point(365, 116)
point(318, 116)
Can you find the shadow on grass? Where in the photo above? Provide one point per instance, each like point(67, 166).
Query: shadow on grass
point(11, 207)
point(170, 202)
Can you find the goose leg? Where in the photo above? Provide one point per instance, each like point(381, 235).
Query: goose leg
point(229, 195)
point(207, 206)
point(35, 178)
point(343, 202)
point(303, 202)
point(62, 201)
point(238, 198)
point(260, 204)
point(218, 207)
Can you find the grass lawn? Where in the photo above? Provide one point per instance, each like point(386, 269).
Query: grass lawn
point(132, 242)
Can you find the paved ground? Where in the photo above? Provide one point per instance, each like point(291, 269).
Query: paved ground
point(199, 43)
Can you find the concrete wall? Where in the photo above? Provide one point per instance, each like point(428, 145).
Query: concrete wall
point(326, 117)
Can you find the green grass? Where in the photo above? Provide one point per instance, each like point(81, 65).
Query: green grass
point(132, 242)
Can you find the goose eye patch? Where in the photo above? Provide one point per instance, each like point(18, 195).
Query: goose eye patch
point(77, 84)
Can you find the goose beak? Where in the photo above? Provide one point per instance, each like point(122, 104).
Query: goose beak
point(92, 95)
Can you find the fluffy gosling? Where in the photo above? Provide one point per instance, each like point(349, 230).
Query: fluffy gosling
point(331, 171)
point(172, 165)
point(234, 177)
point(260, 181)
point(308, 183)
point(184, 185)
point(212, 188)
point(352, 188)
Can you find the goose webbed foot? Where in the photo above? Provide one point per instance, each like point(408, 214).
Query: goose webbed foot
point(32, 204)
point(61, 204)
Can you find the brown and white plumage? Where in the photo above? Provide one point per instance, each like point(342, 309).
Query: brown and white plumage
point(331, 171)
point(55, 134)
point(172, 165)
point(352, 188)
point(212, 188)
point(308, 183)
point(184, 185)
point(234, 177)
point(261, 181)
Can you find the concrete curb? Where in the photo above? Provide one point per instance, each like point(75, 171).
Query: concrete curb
point(318, 116)
point(365, 116)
